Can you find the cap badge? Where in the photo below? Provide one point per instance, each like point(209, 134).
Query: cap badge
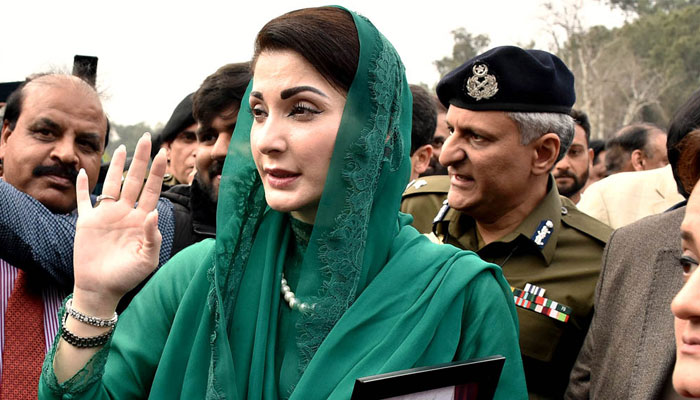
point(481, 85)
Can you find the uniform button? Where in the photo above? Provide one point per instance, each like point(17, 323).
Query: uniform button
point(564, 211)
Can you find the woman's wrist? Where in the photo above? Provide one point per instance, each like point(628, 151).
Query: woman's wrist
point(94, 304)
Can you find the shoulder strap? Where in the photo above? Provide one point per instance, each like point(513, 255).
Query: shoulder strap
point(428, 184)
point(583, 222)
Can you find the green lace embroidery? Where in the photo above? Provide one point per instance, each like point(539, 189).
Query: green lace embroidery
point(90, 374)
point(225, 282)
point(341, 254)
point(249, 211)
point(302, 234)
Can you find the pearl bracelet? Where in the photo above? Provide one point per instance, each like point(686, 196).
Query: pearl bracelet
point(86, 319)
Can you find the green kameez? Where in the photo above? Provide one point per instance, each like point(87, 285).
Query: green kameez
point(212, 323)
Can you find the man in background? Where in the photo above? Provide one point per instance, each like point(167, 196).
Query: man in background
point(422, 131)
point(597, 170)
point(646, 188)
point(636, 147)
point(571, 172)
point(53, 126)
point(441, 133)
point(179, 140)
point(215, 107)
point(422, 157)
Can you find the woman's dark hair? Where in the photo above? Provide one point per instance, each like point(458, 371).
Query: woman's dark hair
point(325, 36)
point(686, 119)
point(689, 160)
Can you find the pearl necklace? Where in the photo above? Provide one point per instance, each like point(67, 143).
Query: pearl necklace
point(292, 300)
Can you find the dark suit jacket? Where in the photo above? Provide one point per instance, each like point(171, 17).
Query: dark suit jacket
point(629, 350)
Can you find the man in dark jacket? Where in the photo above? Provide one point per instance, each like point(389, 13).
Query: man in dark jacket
point(215, 108)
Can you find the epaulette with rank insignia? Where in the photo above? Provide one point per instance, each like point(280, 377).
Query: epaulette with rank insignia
point(423, 198)
point(428, 184)
point(583, 222)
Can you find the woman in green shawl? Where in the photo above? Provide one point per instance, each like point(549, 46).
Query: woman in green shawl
point(314, 279)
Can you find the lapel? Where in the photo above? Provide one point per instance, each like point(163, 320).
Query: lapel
point(656, 355)
point(666, 189)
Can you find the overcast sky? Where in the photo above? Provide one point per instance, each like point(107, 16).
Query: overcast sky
point(152, 53)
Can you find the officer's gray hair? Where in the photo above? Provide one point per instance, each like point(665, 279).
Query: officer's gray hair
point(533, 125)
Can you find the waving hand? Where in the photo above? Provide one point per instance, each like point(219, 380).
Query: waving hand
point(117, 241)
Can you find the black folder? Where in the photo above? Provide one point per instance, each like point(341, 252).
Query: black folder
point(474, 379)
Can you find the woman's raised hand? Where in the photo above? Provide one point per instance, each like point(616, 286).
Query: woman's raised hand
point(116, 242)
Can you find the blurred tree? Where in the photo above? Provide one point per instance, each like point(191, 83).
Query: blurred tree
point(584, 52)
point(669, 45)
point(127, 135)
point(640, 72)
point(466, 46)
point(646, 7)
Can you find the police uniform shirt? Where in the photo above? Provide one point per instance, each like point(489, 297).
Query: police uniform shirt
point(552, 261)
point(426, 196)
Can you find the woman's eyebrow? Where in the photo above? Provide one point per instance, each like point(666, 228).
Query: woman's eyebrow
point(257, 95)
point(287, 93)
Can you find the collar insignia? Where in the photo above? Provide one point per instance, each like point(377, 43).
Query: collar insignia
point(542, 233)
point(481, 85)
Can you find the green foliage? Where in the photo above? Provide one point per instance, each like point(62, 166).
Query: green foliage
point(640, 72)
point(670, 44)
point(466, 46)
point(647, 7)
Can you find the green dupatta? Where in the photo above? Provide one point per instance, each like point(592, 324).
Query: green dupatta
point(386, 298)
point(357, 235)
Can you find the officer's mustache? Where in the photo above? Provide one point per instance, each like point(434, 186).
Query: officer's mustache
point(60, 169)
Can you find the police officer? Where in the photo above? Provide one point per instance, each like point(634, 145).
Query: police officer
point(509, 121)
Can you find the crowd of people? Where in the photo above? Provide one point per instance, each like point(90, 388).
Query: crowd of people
point(308, 218)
